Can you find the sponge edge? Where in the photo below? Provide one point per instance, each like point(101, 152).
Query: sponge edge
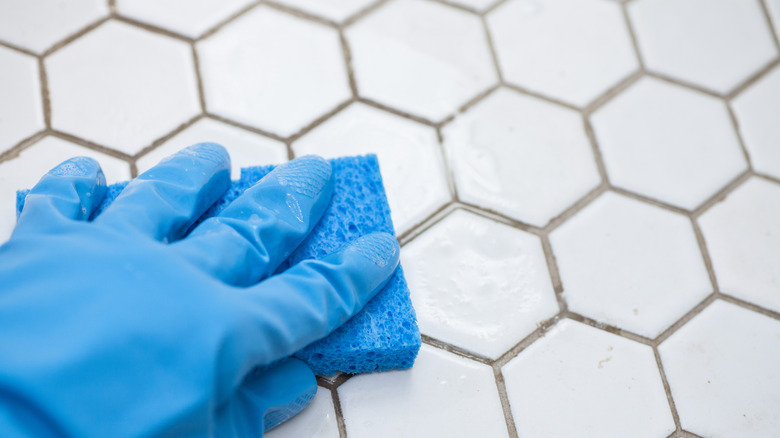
point(384, 335)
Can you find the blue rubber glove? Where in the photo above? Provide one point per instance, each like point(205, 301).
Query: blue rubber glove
point(121, 327)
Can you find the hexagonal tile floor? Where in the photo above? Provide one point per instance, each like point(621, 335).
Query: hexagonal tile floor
point(586, 192)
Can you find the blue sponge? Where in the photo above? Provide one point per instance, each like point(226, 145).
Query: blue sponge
point(384, 335)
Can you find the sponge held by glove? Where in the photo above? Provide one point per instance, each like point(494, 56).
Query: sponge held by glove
point(384, 335)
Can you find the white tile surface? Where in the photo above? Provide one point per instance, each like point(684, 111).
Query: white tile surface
point(668, 143)
point(520, 156)
point(24, 171)
point(630, 264)
point(423, 58)
point(716, 44)
point(757, 110)
point(572, 50)
point(37, 25)
point(87, 101)
point(249, 75)
point(189, 18)
point(478, 284)
point(245, 148)
point(408, 152)
point(318, 420)
point(21, 108)
point(578, 381)
point(743, 237)
point(722, 369)
point(334, 10)
point(443, 395)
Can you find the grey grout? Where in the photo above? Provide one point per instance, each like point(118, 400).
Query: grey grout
point(362, 13)
point(19, 49)
point(752, 79)
point(503, 397)
point(198, 79)
point(74, 36)
point(347, 53)
point(341, 424)
point(152, 28)
point(233, 17)
point(632, 35)
point(667, 389)
point(45, 94)
point(454, 349)
point(770, 24)
point(299, 13)
point(721, 194)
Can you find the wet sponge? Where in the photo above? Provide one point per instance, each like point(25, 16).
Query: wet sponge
point(384, 335)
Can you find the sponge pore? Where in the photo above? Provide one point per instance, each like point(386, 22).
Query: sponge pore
point(384, 335)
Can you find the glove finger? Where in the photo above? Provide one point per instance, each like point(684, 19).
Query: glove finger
point(70, 191)
point(250, 238)
point(164, 201)
point(267, 399)
point(288, 311)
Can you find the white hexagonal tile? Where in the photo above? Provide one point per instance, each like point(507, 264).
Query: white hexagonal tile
point(122, 87)
point(37, 25)
point(318, 420)
point(476, 5)
point(743, 238)
point(668, 143)
point(572, 50)
point(185, 17)
point(580, 381)
point(245, 148)
point(478, 284)
point(24, 171)
point(758, 110)
point(630, 264)
point(408, 152)
point(423, 58)
point(333, 10)
point(520, 156)
point(21, 111)
point(442, 395)
point(722, 370)
point(712, 43)
point(251, 76)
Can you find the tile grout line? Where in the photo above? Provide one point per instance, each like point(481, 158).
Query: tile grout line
point(503, 398)
point(198, 79)
point(340, 422)
point(74, 36)
point(362, 13)
point(454, 349)
point(347, 56)
point(18, 49)
point(45, 93)
point(15, 150)
point(492, 49)
point(300, 13)
point(721, 194)
point(772, 30)
point(752, 79)
point(449, 175)
point(749, 306)
point(233, 17)
point(152, 28)
point(667, 389)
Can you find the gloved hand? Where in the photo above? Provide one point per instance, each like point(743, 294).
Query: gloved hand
point(121, 327)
